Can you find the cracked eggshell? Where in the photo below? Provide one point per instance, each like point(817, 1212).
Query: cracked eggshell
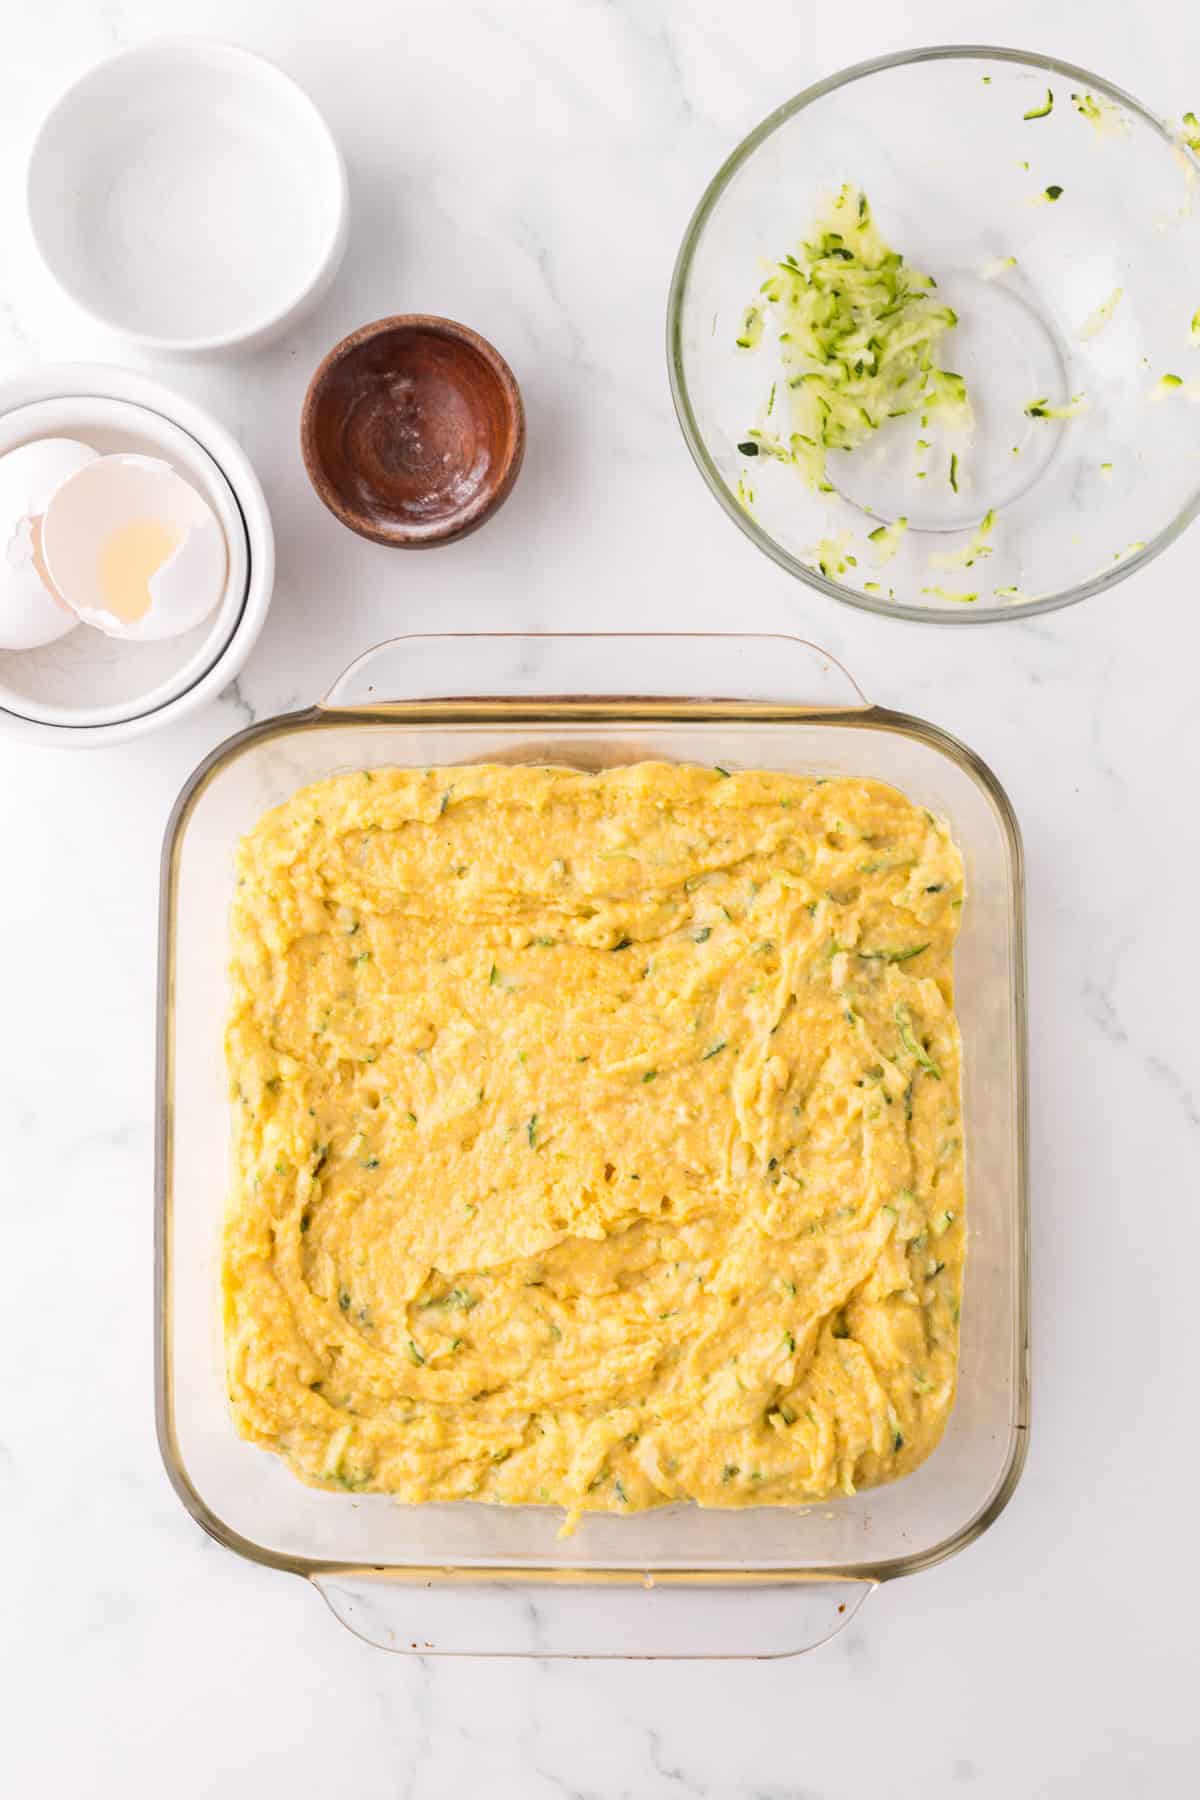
point(31, 613)
point(134, 549)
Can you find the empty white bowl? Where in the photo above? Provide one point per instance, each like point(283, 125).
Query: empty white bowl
point(88, 689)
point(188, 195)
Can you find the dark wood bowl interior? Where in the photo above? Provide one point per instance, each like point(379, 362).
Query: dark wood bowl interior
point(413, 431)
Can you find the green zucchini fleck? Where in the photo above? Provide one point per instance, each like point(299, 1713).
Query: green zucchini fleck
point(941, 593)
point(892, 956)
point(459, 1299)
point(1044, 110)
point(752, 328)
point(913, 1044)
point(1069, 409)
point(886, 538)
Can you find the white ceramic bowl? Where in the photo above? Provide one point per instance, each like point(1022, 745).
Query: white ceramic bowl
point(188, 195)
point(87, 689)
point(111, 676)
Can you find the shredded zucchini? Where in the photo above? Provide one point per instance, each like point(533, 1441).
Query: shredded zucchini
point(1070, 409)
point(832, 556)
point(972, 553)
point(1104, 118)
point(858, 333)
point(886, 539)
point(946, 400)
point(1044, 110)
point(1096, 321)
point(752, 326)
point(940, 593)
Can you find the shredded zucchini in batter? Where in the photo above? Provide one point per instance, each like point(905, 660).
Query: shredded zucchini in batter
point(597, 1138)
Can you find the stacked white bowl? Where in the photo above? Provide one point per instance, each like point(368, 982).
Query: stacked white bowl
point(87, 689)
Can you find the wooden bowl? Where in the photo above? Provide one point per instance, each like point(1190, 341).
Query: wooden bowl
point(413, 431)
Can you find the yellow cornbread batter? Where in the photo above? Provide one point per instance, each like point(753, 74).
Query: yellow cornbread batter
point(597, 1137)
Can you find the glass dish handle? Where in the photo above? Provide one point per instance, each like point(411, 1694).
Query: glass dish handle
point(439, 1615)
point(503, 668)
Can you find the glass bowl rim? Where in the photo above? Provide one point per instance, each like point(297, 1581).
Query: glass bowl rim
point(680, 395)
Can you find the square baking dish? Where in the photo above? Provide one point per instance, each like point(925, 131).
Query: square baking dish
point(680, 1581)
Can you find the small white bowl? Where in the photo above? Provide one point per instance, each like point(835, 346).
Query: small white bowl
point(188, 195)
point(87, 689)
point(116, 676)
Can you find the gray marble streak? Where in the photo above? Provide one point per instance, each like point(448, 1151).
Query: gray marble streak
point(1104, 1016)
point(416, 1747)
point(670, 1773)
point(111, 17)
point(20, 342)
point(234, 696)
point(659, 49)
point(1175, 1084)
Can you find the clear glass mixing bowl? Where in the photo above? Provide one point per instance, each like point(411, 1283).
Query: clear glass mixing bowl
point(1066, 238)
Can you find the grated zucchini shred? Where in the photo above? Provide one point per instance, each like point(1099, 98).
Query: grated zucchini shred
point(858, 334)
point(1096, 321)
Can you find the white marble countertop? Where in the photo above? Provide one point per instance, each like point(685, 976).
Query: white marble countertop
point(528, 165)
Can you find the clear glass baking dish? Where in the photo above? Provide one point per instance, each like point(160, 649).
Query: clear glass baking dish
point(681, 1581)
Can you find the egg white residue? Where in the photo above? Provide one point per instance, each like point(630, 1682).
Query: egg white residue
point(134, 549)
point(31, 614)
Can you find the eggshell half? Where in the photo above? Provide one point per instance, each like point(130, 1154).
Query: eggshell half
point(136, 501)
point(31, 614)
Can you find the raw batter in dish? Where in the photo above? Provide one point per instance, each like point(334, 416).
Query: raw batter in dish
point(597, 1137)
